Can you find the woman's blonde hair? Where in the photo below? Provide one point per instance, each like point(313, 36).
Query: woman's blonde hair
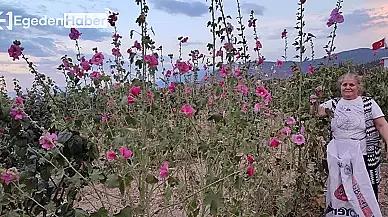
point(357, 78)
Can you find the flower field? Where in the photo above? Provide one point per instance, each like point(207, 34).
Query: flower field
point(232, 143)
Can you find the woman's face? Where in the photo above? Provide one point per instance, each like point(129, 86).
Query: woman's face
point(349, 88)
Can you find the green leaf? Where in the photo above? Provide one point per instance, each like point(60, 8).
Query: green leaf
point(151, 179)
point(131, 120)
point(126, 212)
point(12, 214)
point(167, 194)
point(113, 181)
point(80, 213)
point(64, 137)
point(102, 212)
point(215, 117)
point(97, 175)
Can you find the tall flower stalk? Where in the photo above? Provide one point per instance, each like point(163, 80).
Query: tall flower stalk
point(335, 18)
point(284, 37)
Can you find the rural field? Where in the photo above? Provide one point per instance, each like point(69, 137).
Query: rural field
point(217, 135)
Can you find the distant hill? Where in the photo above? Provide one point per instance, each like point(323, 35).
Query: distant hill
point(361, 56)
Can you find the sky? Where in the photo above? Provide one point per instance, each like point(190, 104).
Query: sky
point(365, 22)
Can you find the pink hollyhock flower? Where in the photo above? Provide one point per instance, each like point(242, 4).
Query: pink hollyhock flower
point(302, 130)
point(11, 175)
point(258, 107)
point(187, 110)
point(85, 64)
point(111, 155)
point(335, 17)
point(261, 60)
point(250, 159)
point(279, 63)
point(135, 90)
point(261, 91)
point(237, 72)
point(96, 75)
point(104, 117)
point(290, 121)
point(267, 99)
point(274, 142)
point(310, 69)
point(286, 131)
point(116, 52)
point(188, 90)
point(258, 45)
point(137, 45)
point(97, 58)
point(17, 113)
point(15, 52)
point(284, 33)
point(18, 100)
point(243, 89)
point(126, 153)
point(182, 67)
point(171, 88)
point(74, 34)
point(163, 172)
point(130, 100)
point(168, 73)
point(298, 139)
point(47, 140)
point(151, 60)
point(250, 170)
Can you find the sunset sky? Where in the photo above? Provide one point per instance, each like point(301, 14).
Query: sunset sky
point(365, 22)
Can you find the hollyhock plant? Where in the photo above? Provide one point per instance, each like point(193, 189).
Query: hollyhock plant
point(151, 60)
point(74, 34)
point(298, 139)
point(257, 107)
point(111, 155)
point(335, 17)
point(187, 110)
point(279, 63)
point(261, 92)
point(286, 131)
point(116, 52)
point(250, 170)
point(15, 51)
point(18, 100)
point(11, 175)
point(130, 99)
point(163, 172)
point(290, 121)
point(135, 90)
point(47, 140)
point(126, 153)
point(137, 45)
point(274, 142)
point(17, 113)
point(250, 159)
point(97, 58)
point(85, 64)
point(96, 75)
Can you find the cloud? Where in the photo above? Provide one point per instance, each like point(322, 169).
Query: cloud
point(247, 7)
point(361, 20)
point(191, 9)
point(192, 43)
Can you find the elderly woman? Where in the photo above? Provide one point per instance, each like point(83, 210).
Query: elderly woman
point(359, 118)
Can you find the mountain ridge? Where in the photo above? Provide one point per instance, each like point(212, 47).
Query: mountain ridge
point(357, 56)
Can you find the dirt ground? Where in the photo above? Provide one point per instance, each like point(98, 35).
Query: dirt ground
point(383, 196)
point(90, 200)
